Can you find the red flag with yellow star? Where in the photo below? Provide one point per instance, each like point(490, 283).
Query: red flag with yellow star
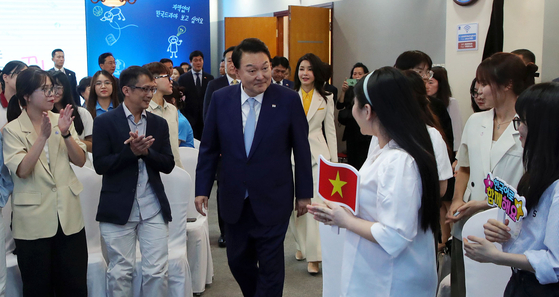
point(338, 183)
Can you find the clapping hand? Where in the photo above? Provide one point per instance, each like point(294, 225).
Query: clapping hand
point(46, 126)
point(65, 119)
point(139, 144)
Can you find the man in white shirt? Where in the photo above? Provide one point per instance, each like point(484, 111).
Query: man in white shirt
point(58, 59)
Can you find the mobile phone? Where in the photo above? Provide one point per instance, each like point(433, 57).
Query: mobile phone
point(351, 82)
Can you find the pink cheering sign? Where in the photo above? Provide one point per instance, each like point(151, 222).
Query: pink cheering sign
point(505, 197)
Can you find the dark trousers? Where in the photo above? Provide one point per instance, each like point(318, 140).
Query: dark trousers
point(55, 266)
point(255, 254)
point(457, 274)
point(525, 284)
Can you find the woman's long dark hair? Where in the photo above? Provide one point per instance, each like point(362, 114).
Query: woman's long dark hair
point(92, 102)
point(538, 108)
point(398, 111)
point(420, 94)
point(28, 81)
point(59, 78)
point(443, 93)
point(9, 69)
point(318, 70)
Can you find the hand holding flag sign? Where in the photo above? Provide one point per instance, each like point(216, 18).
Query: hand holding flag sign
point(338, 183)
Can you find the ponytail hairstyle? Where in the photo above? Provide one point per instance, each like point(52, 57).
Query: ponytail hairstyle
point(399, 113)
point(443, 93)
point(319, 72)
point(538, 108)
point(28, 81)
point(60, 78)
point(502, 69)
point(11, 68)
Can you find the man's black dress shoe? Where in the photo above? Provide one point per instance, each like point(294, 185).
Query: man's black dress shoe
point(221, 242)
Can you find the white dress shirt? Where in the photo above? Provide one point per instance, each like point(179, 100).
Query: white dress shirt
point(441, 154)
point(245, 106)
point(539, 237)
point(402, 263)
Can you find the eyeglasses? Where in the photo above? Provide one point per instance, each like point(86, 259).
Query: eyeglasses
point(48, 90)
point(163, 76)
point(146, 90)
point(516, 123)
point(474, 94)
point(100, 83)
point(58, 90)
point(426, 74)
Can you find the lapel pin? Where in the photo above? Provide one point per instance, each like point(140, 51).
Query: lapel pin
point(55, 132)
point(273, 105)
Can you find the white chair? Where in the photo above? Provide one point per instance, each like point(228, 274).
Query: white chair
point(14, 286)
point(176, 184)
point(198, 242)
point(89, 199)
point(332, 245)
point(477, 273)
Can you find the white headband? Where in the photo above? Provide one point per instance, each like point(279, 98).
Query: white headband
point(365, 87)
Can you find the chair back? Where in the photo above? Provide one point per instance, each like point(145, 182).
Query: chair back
point(477, 274)
point(89, 199)
point(176, 184)
point(189, 159)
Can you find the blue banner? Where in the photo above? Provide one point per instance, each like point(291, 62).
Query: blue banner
point(147, 31)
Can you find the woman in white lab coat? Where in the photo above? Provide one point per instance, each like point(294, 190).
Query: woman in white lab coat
point(319, 108)
point(390, 244)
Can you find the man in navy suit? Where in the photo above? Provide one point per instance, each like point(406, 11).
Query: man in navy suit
point(131, 147)
point(58, 59)
point(279, 68)
point(255, 127)
point(195, 83)
point(230, 78)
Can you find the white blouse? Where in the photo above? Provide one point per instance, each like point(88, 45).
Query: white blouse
point(402, 263)
point(441, 154)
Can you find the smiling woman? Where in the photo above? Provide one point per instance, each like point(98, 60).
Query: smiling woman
point(47, 223)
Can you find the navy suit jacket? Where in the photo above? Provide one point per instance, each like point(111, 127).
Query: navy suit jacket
point(117, 164)
point(214, 85)
point(286, 83)
point(73, 84)
point(281, 129)
point(194, 100)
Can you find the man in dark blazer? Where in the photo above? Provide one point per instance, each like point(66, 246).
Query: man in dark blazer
point(255, 127)
point(131, 148)
point(58, 59)
point(195, 83)
point(279, 68)
point(230, 78)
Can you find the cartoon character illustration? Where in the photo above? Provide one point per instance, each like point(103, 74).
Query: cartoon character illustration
point(174, 43)
point(109, 15)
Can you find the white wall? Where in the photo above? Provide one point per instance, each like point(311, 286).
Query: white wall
point(550, 53)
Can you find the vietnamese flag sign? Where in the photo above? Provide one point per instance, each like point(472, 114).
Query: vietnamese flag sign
point(338, 183)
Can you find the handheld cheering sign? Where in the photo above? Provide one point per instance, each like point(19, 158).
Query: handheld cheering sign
point(501, 195)
point(338, 183)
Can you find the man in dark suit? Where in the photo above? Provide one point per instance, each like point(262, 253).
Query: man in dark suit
point(58, 59)
point(230, 78)
point(131, 148)
point(279, 68)
point(255, 127)
point(195, 83)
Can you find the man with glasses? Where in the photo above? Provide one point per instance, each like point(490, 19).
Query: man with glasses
point(130, 154)
point(160, 107)
point(58, 59)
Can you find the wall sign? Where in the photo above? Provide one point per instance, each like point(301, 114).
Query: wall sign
point(148, 31)
point(467, 37)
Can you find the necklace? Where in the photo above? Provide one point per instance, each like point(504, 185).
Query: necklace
point(499, 124)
